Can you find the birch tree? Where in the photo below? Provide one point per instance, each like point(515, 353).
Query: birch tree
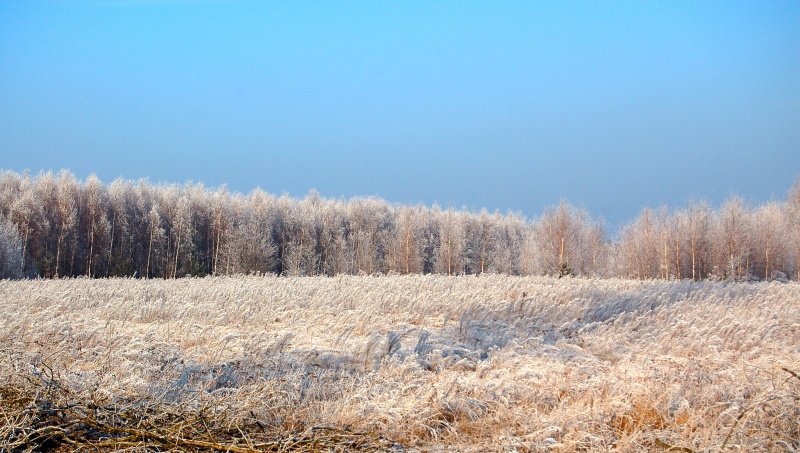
point(369, 224)
point(220, 224)
point(505, 255)
point(451, 243)
point(770, 247)
point(334, 250)
point(404, 249)
point(155, 239)
point(559, 233)
point(10, 250)
point(182, 229)
point(485, 241)
point(639, 246)
point(95, 222)
point(122, 206)
point(734, 240)
point(699, 223)
point(793, 223)
point(298, 241)
point(26, 213)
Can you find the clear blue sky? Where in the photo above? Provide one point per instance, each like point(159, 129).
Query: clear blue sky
point(505, 105)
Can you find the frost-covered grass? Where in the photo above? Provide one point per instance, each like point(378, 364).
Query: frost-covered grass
point(489, 363)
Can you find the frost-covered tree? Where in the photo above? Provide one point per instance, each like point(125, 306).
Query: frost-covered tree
point(451, 242)
point(46, 188)
point(482, 239)
point(770, 247)
point(565, 240)
point(793, 224)
point(95, 224)
point(10, 251)
point(175, 216)
point(404, 245)
point(597, 243)
point(221, 218)
point(335, 254)
point(156, 238)
point(638, 247)
point(122, 207)
point(369, 228)
point(698, 217)
point(249, 246)
point(733, 242)
point(531, 255)
point(505, 256)
point(27, 214)
point(298, 239)
point(182, 229)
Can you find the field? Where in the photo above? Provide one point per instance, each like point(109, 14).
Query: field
point(399, 363)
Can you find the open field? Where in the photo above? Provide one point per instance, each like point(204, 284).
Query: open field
point(411, 363)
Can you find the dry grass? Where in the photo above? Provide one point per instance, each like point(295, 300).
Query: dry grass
point(417, 363)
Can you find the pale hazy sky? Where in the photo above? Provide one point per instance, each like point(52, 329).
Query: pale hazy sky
point(612, 106)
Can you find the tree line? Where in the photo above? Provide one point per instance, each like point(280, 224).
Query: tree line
point(54, 225)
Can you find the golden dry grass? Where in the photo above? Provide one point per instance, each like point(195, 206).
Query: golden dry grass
point(411, 363)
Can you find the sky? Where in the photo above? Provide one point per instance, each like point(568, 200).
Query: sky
point(611, 106)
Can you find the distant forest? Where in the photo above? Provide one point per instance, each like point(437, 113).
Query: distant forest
point(54, 225)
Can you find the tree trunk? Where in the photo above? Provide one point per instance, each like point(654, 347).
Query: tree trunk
point(149, 253)
point(58, 252)
point(219, 237)
point(177, 251)
point(90, 238)
point(111, 244)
